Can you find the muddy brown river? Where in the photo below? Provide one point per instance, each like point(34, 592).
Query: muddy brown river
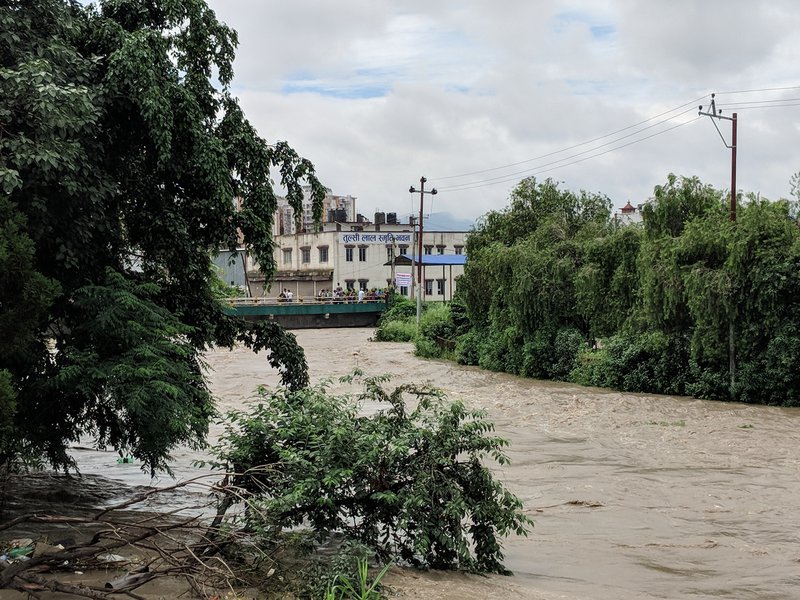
point(633, 495)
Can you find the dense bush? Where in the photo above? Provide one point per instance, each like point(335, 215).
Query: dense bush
point(409, 481)
point(501, 350)
point(436, 335)
point(396, 331)
point(398, 323)
point(468, 347)
point(637, 362)
point(687, 302)
point(402, 309)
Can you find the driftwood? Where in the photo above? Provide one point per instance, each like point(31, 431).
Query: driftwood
point(171, 545)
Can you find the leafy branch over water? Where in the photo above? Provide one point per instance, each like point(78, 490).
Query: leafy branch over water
point(409, 481)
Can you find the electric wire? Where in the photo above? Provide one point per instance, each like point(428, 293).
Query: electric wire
point(775, 89)
point(566, 158)
point(479, 185)
point(578, 145)
point(737, 107)
point(760, 101)
point(553, 165)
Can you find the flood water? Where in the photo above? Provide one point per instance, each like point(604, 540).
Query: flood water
point(634, 496)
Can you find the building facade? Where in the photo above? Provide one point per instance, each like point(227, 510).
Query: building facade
point(362, 256)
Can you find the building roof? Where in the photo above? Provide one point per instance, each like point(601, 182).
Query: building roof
point(430, 259)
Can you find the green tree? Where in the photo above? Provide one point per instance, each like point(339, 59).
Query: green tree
point(519, 285)
point(123, 156)
point(607, 282)
point(675, 205)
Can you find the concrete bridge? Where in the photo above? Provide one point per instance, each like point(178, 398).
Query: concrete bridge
point(309, 314)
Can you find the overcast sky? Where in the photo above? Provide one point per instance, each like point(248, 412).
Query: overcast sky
point(476, 95)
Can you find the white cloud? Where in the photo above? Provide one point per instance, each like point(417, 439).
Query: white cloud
point(378, 93)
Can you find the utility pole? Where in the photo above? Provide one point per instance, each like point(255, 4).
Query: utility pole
point(394, 260)
point(412, 221)
point(420, 283)
point(717, 114)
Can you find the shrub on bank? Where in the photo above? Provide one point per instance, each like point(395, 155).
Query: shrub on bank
point(402, 309)
point(468, 347)
point(396, 331)
point(650, 362)
point(398, 324)
point(409, 483)
point(436, 335)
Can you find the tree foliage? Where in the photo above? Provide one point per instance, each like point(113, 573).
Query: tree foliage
point(409, 480)
point(686, 303)
point(529, 282)
point(123, 156)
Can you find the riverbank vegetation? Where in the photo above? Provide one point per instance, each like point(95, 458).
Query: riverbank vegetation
point(687, 302)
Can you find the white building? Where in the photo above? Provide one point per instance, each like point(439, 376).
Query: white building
point(361, 256)
point(629, 214)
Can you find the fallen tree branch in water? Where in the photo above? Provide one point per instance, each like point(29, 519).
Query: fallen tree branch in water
point(169, 546)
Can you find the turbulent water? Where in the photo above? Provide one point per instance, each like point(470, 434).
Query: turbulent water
point(634, 496)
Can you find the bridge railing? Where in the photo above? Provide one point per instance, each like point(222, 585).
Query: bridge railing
point(270, 301)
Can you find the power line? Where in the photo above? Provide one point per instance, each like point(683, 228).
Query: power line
point(736, 106)
point(566, 149)
point(666, 112)
point(761, 101)
point(485, 184)
point(540, 168)
point(536, 168)
point(775, 89)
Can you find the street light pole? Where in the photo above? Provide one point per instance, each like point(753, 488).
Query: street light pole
point(422, 193)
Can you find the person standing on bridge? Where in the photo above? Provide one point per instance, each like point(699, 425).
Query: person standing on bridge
point(360, 295)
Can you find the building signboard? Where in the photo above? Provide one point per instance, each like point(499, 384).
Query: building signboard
point(361, 237)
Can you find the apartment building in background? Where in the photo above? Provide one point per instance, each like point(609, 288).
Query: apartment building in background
point(335, 209)
point(363, 255)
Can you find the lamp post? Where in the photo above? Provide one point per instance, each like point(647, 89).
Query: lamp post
point(422, 193)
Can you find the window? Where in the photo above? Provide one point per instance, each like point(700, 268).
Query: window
point(404, 290)
point(305, 255)
point(362, 284)
point(348, 253)
point(428, 249)
point(323, 254)
point(429, 287)
point(440, 287)
point(459, 249)
point(440, 249)
point(287, 256)
point(389, 253)
point(350, 284)
point(362, 254)
point(403, 249)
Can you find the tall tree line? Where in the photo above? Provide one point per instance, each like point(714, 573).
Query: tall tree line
point(686, 302)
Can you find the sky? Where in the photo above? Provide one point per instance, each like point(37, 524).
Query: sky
point(601, 95)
